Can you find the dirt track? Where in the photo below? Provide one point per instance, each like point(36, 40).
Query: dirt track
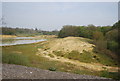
point(11, 71)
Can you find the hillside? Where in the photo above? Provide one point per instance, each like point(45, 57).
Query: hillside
point(77, 51)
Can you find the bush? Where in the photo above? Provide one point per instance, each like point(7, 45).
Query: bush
point(97, 35)
point(52, 69)
point(75, 55)
point(101, 45)
point(113, 75)
point(15, 59)
point(112, 35)
point(59, 53)
point(112, 45)
point(51, 55)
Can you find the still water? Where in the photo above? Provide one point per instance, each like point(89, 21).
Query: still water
point(19, 40)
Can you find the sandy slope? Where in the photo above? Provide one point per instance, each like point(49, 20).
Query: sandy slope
point(69, 44)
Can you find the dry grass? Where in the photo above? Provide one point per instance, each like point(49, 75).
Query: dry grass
point(7, 36)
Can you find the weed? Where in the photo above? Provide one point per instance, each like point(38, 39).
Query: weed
point(51, 55)
point(104, 68)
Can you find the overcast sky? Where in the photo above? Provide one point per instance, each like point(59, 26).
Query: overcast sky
point(53, 15)
point(0, 14)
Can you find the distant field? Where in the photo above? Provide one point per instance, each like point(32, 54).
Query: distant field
point(71, 54)
point(5, 36)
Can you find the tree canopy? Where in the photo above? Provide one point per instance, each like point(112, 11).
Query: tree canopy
point(105, 37)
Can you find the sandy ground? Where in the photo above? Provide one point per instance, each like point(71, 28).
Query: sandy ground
point(69, 44)
point(7, 36)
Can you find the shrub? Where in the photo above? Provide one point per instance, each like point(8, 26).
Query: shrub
point(52, 69)
point(75, 55)
point(59, 53)
point(112, 35)
point(112, 45)
point(51, 55)
point(98, 35)
point(113, 75)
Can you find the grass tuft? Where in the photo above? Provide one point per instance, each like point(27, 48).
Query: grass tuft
point(51, 55)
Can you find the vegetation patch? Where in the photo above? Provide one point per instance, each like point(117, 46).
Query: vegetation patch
point(88, 57)
point(15, 59)
point(82, 57)
point(59, 53)
point(52, 56)
point(113, 75)
point(106, 60)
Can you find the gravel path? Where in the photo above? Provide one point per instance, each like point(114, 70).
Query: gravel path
point(11, 71)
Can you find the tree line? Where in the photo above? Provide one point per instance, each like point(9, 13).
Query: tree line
point(105, 38)
point(25, 31)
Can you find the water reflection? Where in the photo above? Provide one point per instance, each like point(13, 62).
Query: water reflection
point(19, 40)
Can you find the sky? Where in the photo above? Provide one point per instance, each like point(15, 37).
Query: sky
point(54, 15)
point(0, 14)
point(119, 10)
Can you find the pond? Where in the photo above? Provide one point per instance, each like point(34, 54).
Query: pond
point(19, 40)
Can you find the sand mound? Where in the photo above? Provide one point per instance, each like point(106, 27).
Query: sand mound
point(69, 44)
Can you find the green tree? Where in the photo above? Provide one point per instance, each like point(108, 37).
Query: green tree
point(97, 35)
point(68, 30)
point(113, 46)
point(112, 35)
